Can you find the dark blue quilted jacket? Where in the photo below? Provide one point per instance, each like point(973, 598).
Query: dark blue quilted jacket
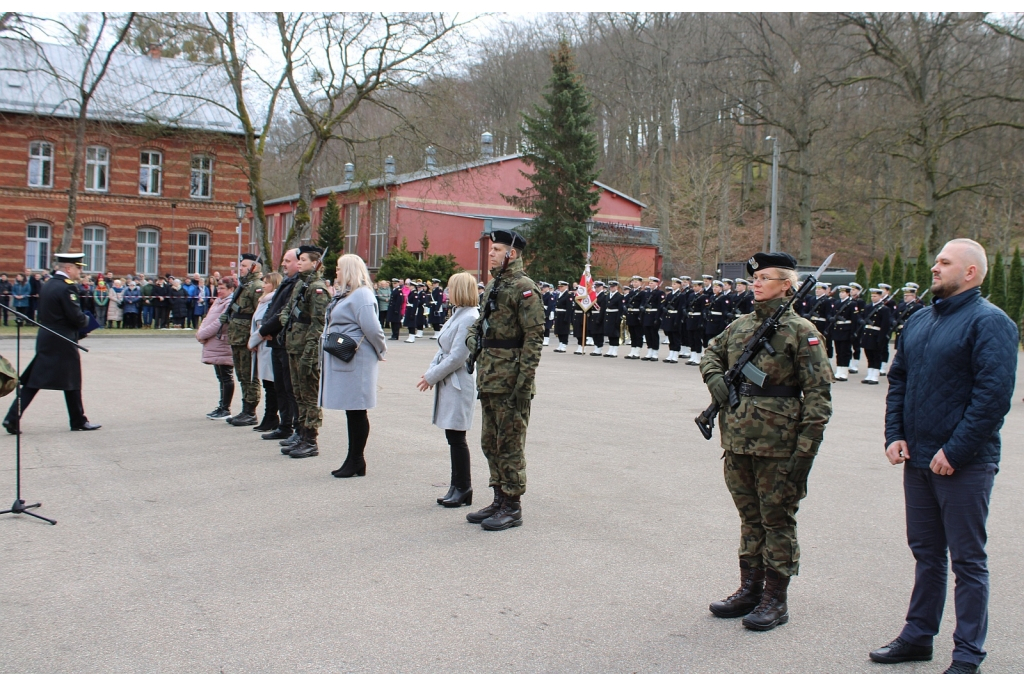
point(951, 382)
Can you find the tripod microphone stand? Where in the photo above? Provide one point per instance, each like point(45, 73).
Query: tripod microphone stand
point(19, 506)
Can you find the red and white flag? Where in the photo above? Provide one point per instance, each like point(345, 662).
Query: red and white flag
point(585, 295)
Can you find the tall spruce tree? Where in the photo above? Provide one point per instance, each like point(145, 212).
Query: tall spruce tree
point(886, 270)
point(1015, 288)
point(899, 276)
point(562, 149)
point(329, 236)
point(862, 275)
point(876, 275)
point(923, 272)
point(997, 277)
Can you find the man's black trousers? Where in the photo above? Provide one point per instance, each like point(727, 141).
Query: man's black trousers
point(72, 398)
point(286, 405)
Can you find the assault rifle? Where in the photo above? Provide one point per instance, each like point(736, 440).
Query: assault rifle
point(761, 340)
point(489, 306)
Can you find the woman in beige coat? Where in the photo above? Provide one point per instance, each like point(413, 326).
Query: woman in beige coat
point(454, 387)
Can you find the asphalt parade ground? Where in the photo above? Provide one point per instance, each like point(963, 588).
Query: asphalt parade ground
point(187, 545)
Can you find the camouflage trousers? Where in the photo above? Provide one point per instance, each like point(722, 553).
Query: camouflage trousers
point(767, 493)
point(503, 441)
point(306, 387)
point(242, 358)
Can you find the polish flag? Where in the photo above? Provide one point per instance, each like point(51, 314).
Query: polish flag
point(585, 295)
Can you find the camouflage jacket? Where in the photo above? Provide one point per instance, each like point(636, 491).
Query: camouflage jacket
point(520, 315)
point(244, 306)
point(303, 318)
point(775, 426)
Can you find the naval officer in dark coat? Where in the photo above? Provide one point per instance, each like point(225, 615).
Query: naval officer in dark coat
point(57, 365)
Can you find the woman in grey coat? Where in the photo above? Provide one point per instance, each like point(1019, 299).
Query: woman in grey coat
point(352, 385)
point(454, 387)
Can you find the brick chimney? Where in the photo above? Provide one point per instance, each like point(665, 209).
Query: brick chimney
point(155, 51)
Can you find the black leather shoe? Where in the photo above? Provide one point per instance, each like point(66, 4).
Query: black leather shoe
point(509, 515)
point(490, 509)
point(440, 500)
point(291, 440)
point(87, 427)
point(279, 433)
point(744, 600)
point(458, 498)
point(899, 650)
point(11, 427)
point(960, 667)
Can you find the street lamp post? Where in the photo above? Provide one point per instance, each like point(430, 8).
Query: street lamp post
point(773, 239)
point(240, 215)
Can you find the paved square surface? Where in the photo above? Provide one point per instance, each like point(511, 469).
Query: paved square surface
point(186, 545)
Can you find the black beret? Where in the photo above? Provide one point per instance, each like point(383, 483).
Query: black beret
point(308, 249)
point(250, 256)
point(510, 238)
point(770, 260)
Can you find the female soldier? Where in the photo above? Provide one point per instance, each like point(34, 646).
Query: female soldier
point(770, 439)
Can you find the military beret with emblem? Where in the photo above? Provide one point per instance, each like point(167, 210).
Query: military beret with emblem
point(510, 238)
point(770, 260)
point(307, 249)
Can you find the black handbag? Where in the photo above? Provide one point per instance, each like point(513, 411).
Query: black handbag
point(341, 346)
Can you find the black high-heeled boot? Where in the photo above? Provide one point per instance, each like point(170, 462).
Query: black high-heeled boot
point(358, 432)
point(461, 491)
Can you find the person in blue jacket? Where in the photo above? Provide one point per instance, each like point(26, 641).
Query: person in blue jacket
point(950, 386)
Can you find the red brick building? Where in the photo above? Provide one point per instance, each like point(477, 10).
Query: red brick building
point(456, 208)
point(162, 173)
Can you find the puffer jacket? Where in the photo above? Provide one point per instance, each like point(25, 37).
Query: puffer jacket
point(951, 381)
point(216, 348)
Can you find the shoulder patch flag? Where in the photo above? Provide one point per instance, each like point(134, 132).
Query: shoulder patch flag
point(812, 340)
point(319, 291)
point(527, 293)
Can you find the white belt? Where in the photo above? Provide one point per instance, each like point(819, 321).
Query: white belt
point(652, 310)
point(873, 328)
point(717, 313)
point(672, 311)
point(842, 321)
point(818, 318)
point(694, 314)
point(559, 310)
point(611, 310)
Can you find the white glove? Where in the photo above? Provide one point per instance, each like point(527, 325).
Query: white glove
point(551, 316)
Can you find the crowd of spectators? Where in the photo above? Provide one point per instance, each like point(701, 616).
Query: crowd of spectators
point(133, 302)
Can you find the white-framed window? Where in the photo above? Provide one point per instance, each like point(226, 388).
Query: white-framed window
point(94, 244)
point(351, 227)
point(199, 253)
point(97, 169)
point(151, 165)
point(287, 219)
point(37, 246)
point(378, 232)
point(201, 186)
point(40, 164)
point(147, 246)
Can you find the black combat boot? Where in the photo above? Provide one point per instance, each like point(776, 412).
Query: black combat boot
point(293, 439)
point(247, 417)
point(490, 509)
point(281, 432)
point(509, 515)
point(297, 440)
point(772, 611)
point(308, 448)
point(744, 600)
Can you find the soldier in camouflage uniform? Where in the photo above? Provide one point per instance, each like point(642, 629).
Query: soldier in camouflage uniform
point(239, 320)
point(770, 440)
point(303, 320)
point(512, 337)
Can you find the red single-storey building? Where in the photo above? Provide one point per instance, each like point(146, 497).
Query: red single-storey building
point(456, 208)
point(163, 164)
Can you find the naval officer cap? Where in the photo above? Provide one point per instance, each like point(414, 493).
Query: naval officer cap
point(435, 280)
point(676, 279)
point(480, 284)
point(823, 285)
point(636, 278)
point(598, 283)
point(911, 287)
point(855, 284)
point(396, 280)
point(716, 282)
point(684, 279)
point(654, 279)
point(770, 260)
point(885, 285)
point(742, 281)
point(876, 290)
point(76, 258)
point(728, 280)
point(510, 238)
point(563, 283)
point(708, 277)
point(845, 288)
point(613, 283)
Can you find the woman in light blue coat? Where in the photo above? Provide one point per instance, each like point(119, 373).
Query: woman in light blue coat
point(352, 385)
point(454, 387)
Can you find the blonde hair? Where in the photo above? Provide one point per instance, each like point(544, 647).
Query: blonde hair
point(462, 290)
point(273, 278)
point(352, 273)
point(788, 275)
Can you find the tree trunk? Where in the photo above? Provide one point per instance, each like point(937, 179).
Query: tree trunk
point(806, 203)
point(76, 174)
point(723, 211)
